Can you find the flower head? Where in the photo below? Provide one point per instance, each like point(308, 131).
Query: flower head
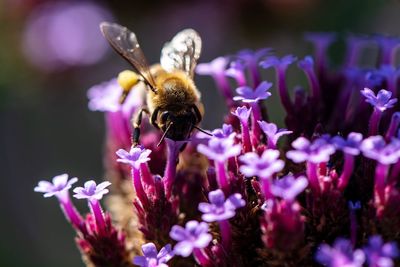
point(375, 147)
point(217, 66)
point(225, 132)
point(220, 209)
point(60, 184)
point(194, 235)
point(220, 149)
point(276, 62)
point(243, 113)
point(248, 95)
point(152, 258)
point(351, 145)
point(306, 63)
point(289, 187)
point(272, 131)
point(135, 157)
point(381, 101)
point(248, 56)
point(379, 254)
point(264, 166)
point(340, 255)
point(316, 152)
point(91, 191)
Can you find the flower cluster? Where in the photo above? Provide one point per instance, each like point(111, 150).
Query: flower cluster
point(253, 193)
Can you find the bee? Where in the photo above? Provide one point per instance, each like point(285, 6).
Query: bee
point(173, 100)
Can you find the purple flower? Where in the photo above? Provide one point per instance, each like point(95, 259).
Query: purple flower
point(248, 95)
point(380, 254)
point(105, 97)
point(152, 258)
point(220, 149)
point(194, 235)
point(264, 166)
point(214, 67)
point(340, 255)
point(243, 113)
point(316, 152)
point(351, 145)
point(135, 157)
point(381, 101)
point(289, 187)
point(225, 132)
point(274, 61)
point(91, 191)
point(59, 185)
point(220, 209)
point(306, 63)
point(272, 131)
point(249, 56)
point(375, 147)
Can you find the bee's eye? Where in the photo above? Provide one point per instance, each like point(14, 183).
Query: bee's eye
point(164, 117)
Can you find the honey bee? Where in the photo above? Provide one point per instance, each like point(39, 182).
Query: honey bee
point(173, 101)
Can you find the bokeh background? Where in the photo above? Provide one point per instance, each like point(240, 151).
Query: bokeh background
point(51, 52)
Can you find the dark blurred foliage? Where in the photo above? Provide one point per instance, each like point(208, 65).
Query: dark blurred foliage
point(46, 128)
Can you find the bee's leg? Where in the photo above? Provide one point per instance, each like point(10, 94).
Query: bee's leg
point(136, 126)
point(153, 118)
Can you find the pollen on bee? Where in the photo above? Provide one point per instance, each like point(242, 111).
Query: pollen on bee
point(127, 79)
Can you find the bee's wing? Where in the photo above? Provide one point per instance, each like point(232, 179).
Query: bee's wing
point(125, 43)
point(182, 52)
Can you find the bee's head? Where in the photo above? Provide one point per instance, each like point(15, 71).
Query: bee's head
point(177, 126)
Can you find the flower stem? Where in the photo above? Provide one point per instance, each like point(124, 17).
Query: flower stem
point(201, 257)
point(381, 171)
point(394, 125)
point(245, 136)
point(256, 116)
point(72, 214)
point(347, 171)
point(265, 184)
point(312, 173)
point(283, 92)
point(170, 169)
point(374, 122)
point(137, 184)
point(222, 177)
point(97, 212)
point(225, 88)
point(225, 229)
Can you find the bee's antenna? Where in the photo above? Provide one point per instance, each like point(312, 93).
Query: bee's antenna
point(201, 130)
point(165, 134)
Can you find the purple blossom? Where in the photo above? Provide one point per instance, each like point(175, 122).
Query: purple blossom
point(248, 95)
point(351, 145)
point(214, 67)
point(272, 131)
point(375, 147)
point(220, 149)
point(289, 187)
point(274, 61)
point(243, 113)
point(340, 255)
point(152, 258)
point(57, 187)
point(220, 209)
point(379, 254)
point(318, 151)
point(381, 101)
point(225, 132)
point(91, 191)
point(306, 63)
point(136, 156)
point(264, 166)
point(250, 56)
point(194, 235)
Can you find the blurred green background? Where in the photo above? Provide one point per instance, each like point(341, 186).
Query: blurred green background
point(51, 52)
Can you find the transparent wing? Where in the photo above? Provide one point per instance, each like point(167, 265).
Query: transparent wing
point(125, 43)
point(182, 52)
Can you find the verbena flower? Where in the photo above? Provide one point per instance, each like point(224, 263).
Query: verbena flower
point(194, 235)
point(152, 258)
point(381, 101)
point(316, 152)
point(272, 132)
point(351, 145)
point(380, 254)
point(225, 132)
point(248, 95)
point(340, 254)
point(243, 113)
point(91, 191)
point(263, 166)
point(57, 187)
point(220, 208)
point(289, 187)
point(220, 149)
point(136, 156)
point(375, 147)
